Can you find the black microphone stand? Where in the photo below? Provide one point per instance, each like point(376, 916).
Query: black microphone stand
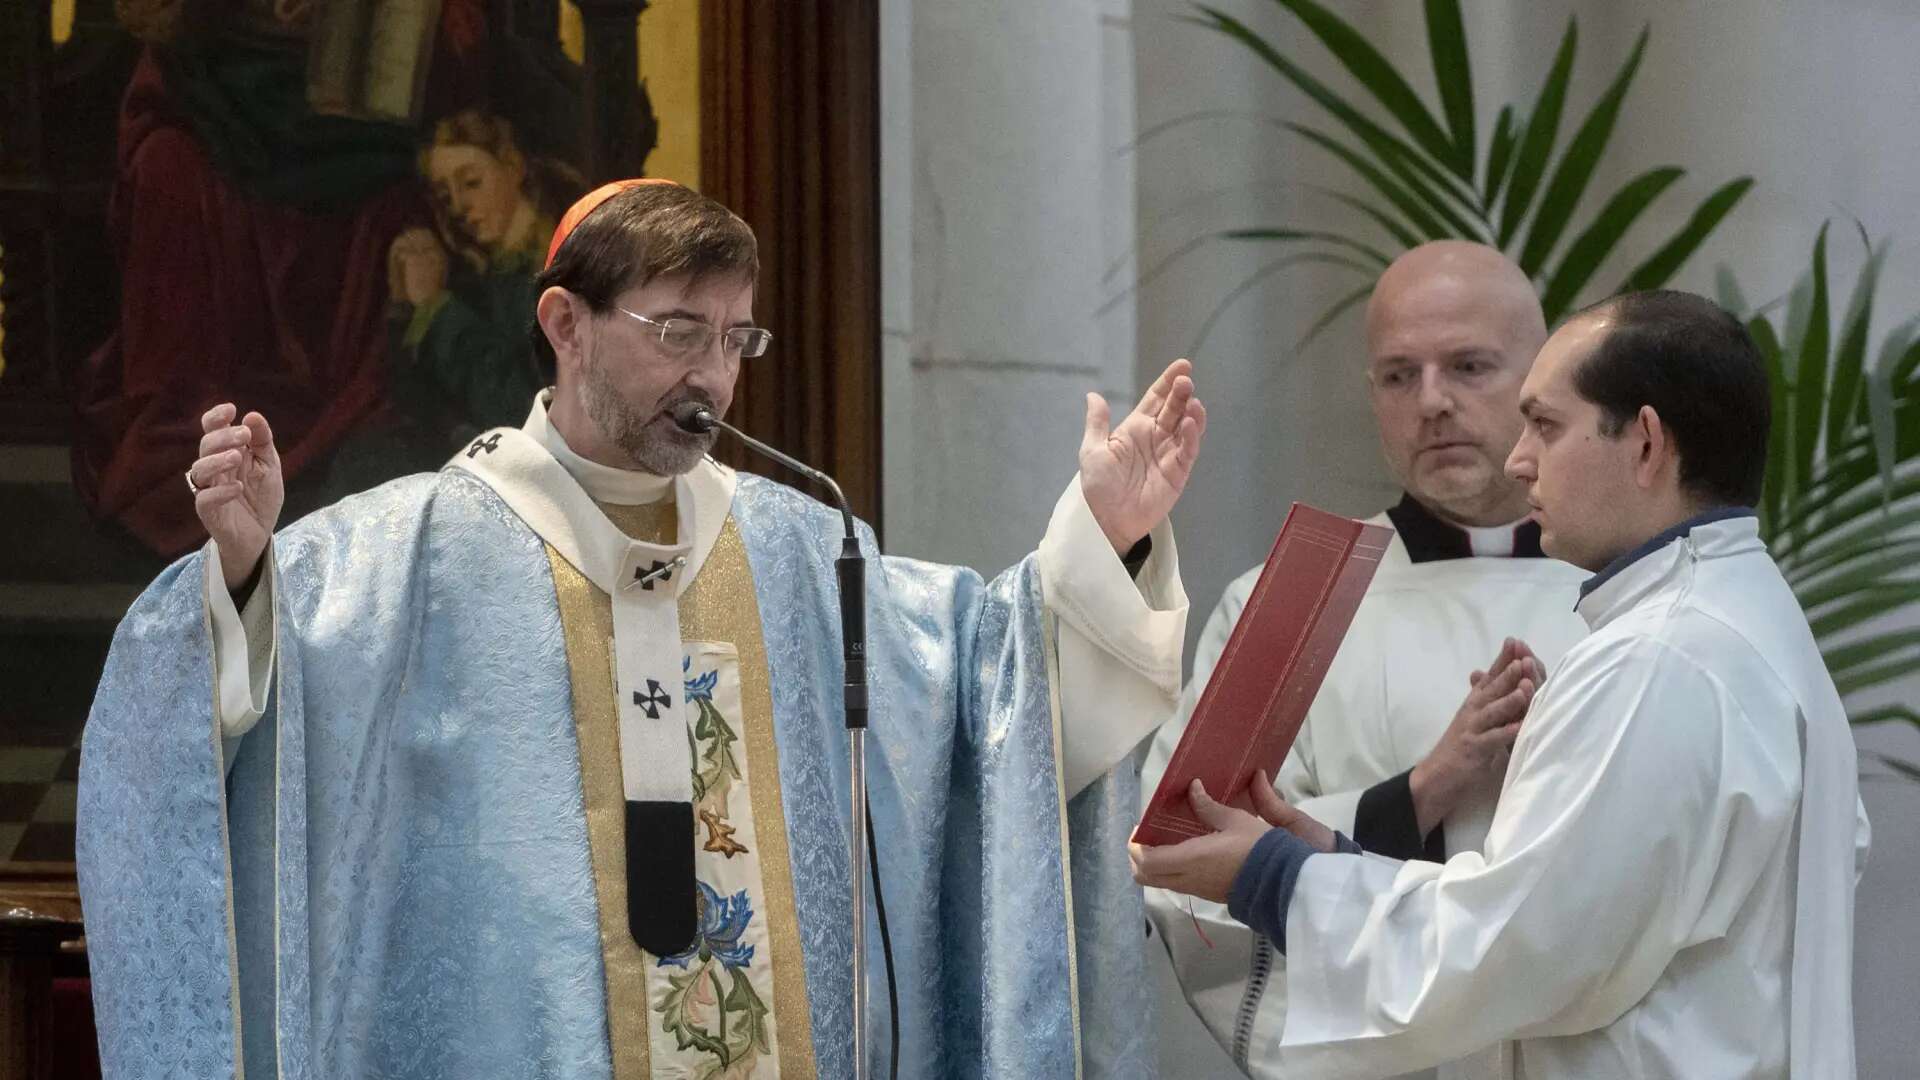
point(851, 569)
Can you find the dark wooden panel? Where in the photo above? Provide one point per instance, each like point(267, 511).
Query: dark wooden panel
point(621, 126)
point(790, 141)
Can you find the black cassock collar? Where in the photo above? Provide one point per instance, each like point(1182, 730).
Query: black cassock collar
point(1429, 539)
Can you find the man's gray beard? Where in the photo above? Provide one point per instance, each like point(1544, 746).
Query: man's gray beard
point(653, 444)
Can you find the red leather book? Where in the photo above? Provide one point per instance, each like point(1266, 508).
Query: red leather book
point(1271, 669)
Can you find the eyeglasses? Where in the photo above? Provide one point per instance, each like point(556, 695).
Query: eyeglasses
point(684, 337)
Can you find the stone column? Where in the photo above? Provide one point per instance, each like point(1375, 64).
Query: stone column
point(1003, 202)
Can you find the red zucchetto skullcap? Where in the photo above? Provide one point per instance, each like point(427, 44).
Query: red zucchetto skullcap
point(588, 203)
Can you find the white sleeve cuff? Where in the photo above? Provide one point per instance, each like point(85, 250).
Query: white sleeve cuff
point(1120, 639)
point(243, 646)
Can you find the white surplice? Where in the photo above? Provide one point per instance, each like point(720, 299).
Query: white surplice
point(1667, 887)
point(1390, 692)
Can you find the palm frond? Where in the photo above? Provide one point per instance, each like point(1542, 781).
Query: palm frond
point(1861, 655)
point(1253, 280)
point(1390, 151)
point(1175, 123)
point(1536, 144)
point(1594, 243)
point(1809, 379)
point(1660, 266)
point(1333, 312)
point(1167, 262)
point(1372, 254)
point(1901, 770)
point(1881, 554)
point(1416, 166)
point(1845, 398)
point(1571, 176)
point(1396, 229)
point(1773, 493)
point(1882, 411)
point(1863, 606)
point(1499, 156)
point(1374, 72)
point(1841, 506)
point(1414, 208)
point(1453, 77)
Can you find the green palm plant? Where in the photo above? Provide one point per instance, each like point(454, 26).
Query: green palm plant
point(1842, 495)
point(1428, 180)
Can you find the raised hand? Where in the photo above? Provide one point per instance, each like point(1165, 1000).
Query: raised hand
point(1133, 472)
point(1472, 753)
point(239, 490)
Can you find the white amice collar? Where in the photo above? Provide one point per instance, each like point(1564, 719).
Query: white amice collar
point(604, 483)
point(531, 470)
point(1496, 541)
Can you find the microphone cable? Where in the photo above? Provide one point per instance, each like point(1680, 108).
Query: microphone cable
point(886, 955)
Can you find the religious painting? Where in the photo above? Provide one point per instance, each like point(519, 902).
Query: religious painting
point(330, 211)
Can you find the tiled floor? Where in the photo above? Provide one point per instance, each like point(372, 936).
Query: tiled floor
point(66, 582)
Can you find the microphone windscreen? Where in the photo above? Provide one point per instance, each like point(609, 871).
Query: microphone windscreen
point(694, 417)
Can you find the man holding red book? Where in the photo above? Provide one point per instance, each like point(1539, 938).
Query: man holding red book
point(1667, 885)
point(1388, 752)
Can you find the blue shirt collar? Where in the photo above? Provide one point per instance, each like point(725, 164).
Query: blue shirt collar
point(1612, 570)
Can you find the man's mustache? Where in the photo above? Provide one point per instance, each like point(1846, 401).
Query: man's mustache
point(700, 396)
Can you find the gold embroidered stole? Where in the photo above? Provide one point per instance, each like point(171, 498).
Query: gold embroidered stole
point(719, 615)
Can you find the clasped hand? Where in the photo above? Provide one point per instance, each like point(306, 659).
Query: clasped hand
point(1472, 753)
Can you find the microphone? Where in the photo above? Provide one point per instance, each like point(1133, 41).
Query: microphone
point(697, 418)
point(693, 417)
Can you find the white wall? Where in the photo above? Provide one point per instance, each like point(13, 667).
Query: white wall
point(1815, 99)
point(1001, 204)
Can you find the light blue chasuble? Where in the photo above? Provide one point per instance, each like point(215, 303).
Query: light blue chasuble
point(395, 880)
